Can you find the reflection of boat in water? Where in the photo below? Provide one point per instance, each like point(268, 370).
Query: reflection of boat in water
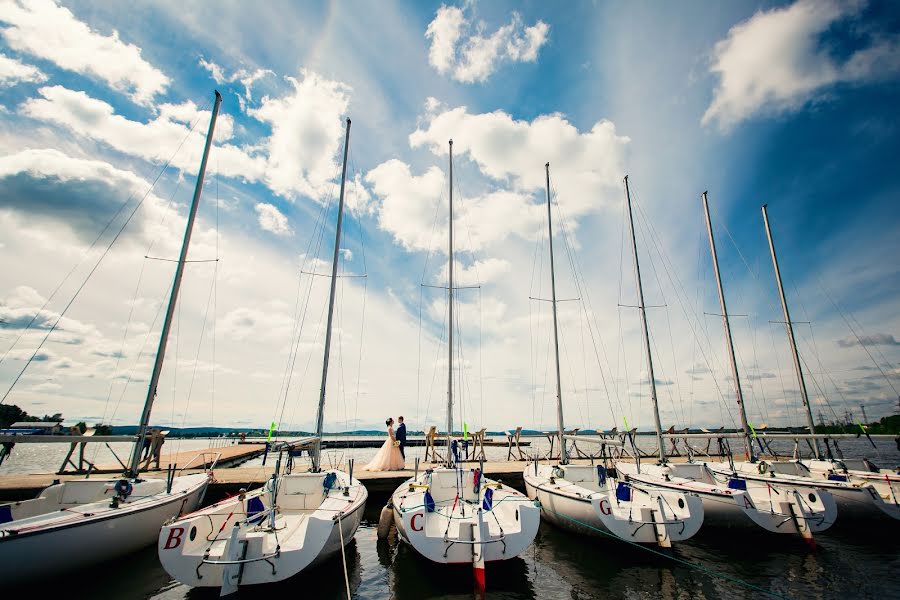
point(413, 577)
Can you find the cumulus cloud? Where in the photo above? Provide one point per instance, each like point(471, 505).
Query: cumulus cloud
point(876, 339)
point(299, 157)
point(780, 59)
point(586, 174)
point(306, 135)
point(271, 219)
point(407, 203)
point(77, 192)
point(585, 166)
point(51, 32)
point(463, 50)
point(13, 71)
point(243, 76)
point(154, 140)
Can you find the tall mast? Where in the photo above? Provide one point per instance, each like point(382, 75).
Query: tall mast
point(640, 291)
point(173, 297)
point(563, 458)
point(790, 331)
point(728, 340)
point(450, 323)
point(320, 412)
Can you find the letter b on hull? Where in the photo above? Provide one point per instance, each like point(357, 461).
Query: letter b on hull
point(174, 540)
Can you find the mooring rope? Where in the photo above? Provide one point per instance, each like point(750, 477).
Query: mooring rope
point(700, 568)
point(344, 557)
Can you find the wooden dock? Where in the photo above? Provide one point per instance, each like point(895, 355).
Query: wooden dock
point(230, 481)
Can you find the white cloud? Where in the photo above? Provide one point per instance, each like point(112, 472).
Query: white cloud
point(53, 163)
point(473, 57)
point(585, 167)
point(48, 31)
point(244, 76)
point(154, 140)
point(407, 203)
point(13, 71)
point(776, 61)
point(271, 219)
point(586, 173)
point(445, 31)
point(306, 135)
point(299, 157)
point(68, 193)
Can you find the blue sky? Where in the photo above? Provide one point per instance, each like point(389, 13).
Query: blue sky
point(790, 104)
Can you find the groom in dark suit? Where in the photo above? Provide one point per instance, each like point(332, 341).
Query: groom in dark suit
point(401, 437)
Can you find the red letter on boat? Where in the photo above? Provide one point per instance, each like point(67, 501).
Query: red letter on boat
point(412, 522)
point(604, 507)
point(174, 536)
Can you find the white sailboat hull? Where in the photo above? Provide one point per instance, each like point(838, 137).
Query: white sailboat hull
point(88, 534)
point(779, 508)
point(855, 499)
point(509, 525)
point(585, 505)
point(232, 544)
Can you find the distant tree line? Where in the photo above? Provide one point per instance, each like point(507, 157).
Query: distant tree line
point(10, 413)
point(886, 426)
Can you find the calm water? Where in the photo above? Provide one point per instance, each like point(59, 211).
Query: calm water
point(851, 561)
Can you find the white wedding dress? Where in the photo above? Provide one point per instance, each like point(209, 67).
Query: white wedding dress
point(388, 457)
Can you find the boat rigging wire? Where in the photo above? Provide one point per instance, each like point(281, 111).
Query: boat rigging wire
point(102, 256)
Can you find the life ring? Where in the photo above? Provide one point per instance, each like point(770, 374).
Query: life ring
point(763, 467)
point(123, 488)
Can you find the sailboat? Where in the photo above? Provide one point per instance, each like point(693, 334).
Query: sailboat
point(451, 514)
point(592, 499)
point(856, 496)
point(78, 523)
point(292, 523)
point(727, 499)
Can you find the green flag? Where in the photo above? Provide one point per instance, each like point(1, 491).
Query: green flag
point(466, 432)
point(271, 430)
point(624, 418)
point(753, 431)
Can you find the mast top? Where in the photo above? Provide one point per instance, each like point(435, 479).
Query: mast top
point(218, 95)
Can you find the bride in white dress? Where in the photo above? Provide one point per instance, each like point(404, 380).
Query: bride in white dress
point(388, 457)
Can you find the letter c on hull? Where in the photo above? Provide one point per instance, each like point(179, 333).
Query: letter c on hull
point(412, 522)
point(174, 538)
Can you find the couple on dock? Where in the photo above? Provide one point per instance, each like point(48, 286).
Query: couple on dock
point(392, 454)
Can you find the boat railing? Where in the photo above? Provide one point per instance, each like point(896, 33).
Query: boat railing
point(210, 460)
point(242, 561)
point(451, 543)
